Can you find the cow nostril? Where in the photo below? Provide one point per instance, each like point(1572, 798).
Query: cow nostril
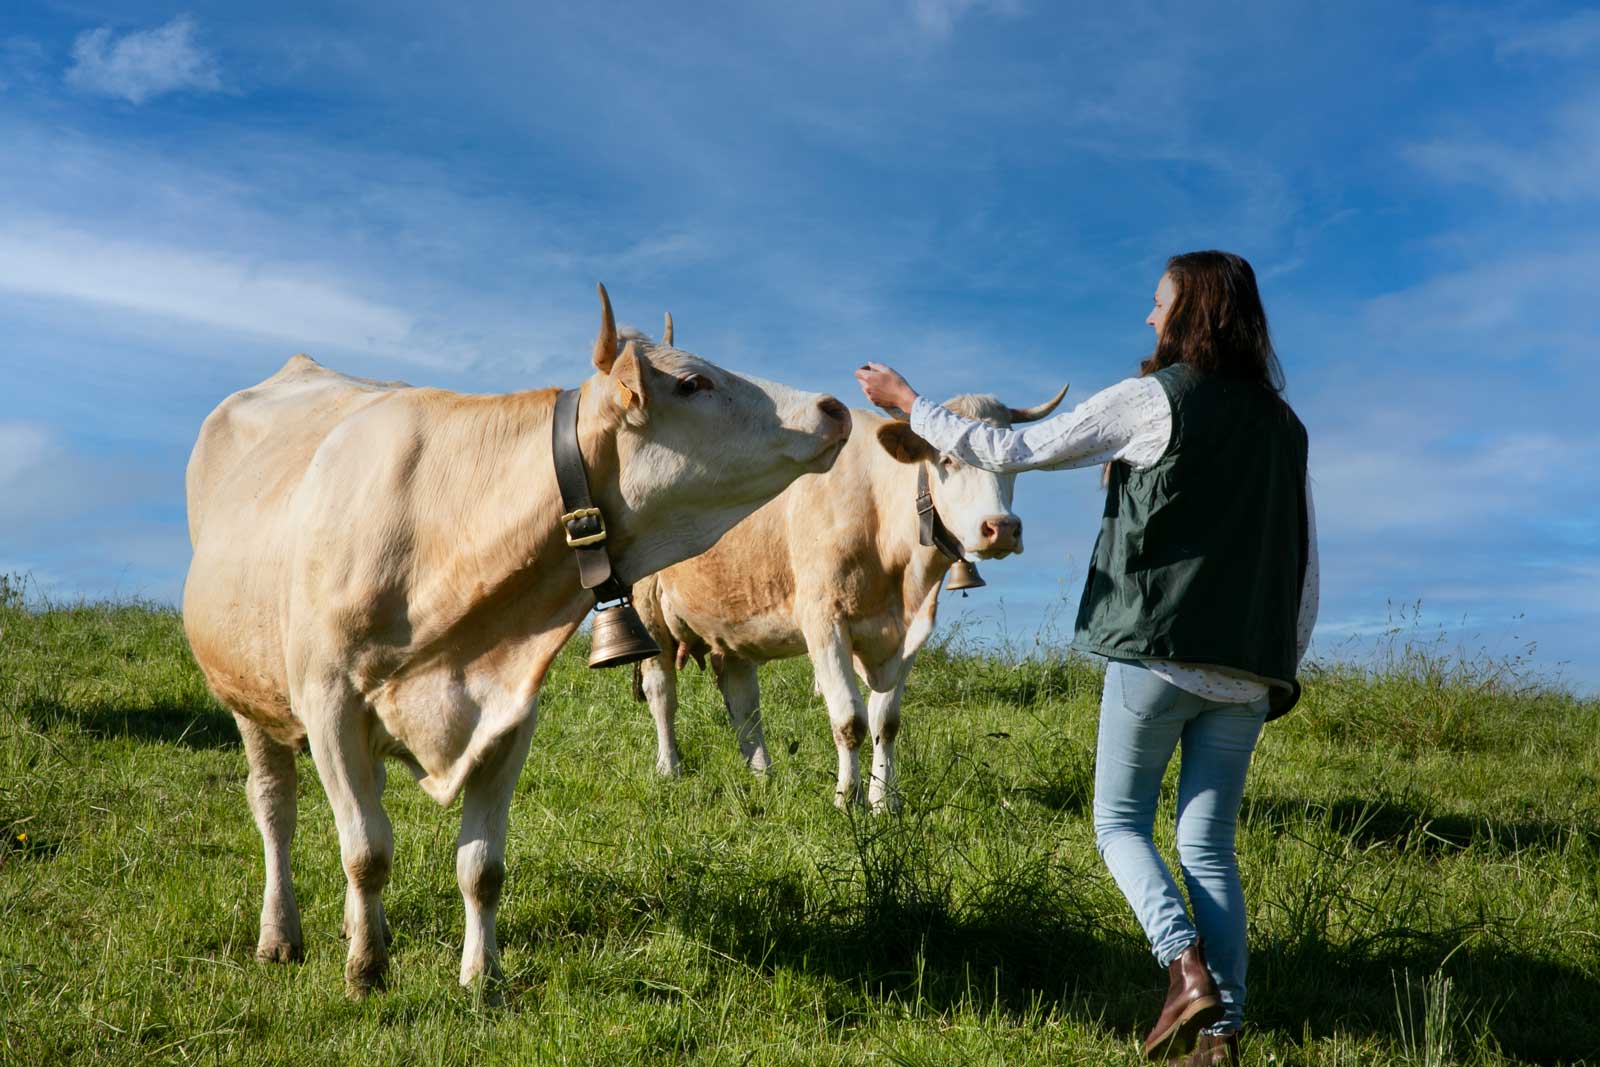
point(993, 530)
point(833, 409)
point(837, 414)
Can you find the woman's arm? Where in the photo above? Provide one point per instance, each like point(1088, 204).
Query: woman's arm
point(1130, 421)
point(1310, 592)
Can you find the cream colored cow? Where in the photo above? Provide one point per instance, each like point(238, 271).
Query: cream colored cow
point(833, 568)
point(379, 571)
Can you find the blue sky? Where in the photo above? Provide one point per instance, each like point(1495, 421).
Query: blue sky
point(980, 193)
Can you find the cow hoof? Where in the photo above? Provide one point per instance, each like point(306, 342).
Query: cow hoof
point(886, 805)
point(363, 978)
point(669, 770)
point(486, 991)
point(279, 950)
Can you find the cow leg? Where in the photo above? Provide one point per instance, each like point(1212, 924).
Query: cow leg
point(271, 788)
point(831, 660)
point(741, 691)
point(481, 851)
point(659, 679)
point(352, 905)
point(883, 715)
point(352, 777)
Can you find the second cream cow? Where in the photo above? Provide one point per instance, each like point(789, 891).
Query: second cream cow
point(832, 568)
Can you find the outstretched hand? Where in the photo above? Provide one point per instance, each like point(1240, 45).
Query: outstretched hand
point(885, 388)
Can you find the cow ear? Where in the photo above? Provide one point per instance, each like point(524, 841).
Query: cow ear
point(901, 442)
point(627, 373)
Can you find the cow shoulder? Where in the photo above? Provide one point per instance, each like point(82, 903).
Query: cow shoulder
point(260, 439)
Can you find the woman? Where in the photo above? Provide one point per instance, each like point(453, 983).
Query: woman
point(1202, 594)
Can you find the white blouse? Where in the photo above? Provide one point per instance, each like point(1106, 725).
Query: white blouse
point(1132, 422)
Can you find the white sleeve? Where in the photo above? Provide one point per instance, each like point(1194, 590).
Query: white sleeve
point(1130, 421)
point(1311, 590)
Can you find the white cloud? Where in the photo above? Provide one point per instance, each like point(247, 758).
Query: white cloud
point(295, 303)
point(21, 447)
point(142, 65)
point(937, 18)
point(44, 481)
point(1566, 38)
point(1561, 164)
point(1507, 306)
point(331, 250)
point(1574, 586)
point(1398, 471)
point(69, 517)
point(22, 60)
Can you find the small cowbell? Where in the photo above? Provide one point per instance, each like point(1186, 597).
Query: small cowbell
point(619, 637)
point(963, 575)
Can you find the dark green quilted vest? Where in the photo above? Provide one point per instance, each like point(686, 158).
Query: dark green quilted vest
point(1202, 557)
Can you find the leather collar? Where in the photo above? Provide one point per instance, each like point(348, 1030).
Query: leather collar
point(584, 524)
point(931, 529)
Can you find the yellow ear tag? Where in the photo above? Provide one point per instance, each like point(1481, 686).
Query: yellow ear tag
point(628, 396)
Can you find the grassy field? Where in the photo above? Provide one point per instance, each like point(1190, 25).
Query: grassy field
point(1421, 849)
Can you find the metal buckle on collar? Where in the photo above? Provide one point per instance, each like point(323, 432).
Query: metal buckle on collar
point(581, 515)
point(924, 502)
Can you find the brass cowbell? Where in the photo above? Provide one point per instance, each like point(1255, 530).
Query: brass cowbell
point(619, 637)
point(963, 575)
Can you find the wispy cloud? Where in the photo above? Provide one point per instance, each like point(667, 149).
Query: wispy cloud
point(1560, 163)
point(95, 513)
point(1482, 442)
point(291, 302)
point(21, 446)
point(142, 65)
point(22, 62)
point(1522, 303)
point(938, 18)
point(1396, 471)
point(45, 480)
point(1565, 38)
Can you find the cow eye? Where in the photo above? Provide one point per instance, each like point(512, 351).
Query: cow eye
point(692, 383)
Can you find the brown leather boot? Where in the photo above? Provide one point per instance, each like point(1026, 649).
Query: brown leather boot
point(1213, 1050)
point(1193, 1004)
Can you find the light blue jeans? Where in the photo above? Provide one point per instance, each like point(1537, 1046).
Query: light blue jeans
point(1142, 720)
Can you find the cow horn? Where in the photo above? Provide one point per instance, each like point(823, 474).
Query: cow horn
point(605, 346)
point(666, 334)
point(1037, 413)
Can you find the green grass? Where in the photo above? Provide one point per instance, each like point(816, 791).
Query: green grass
point(1421, 849)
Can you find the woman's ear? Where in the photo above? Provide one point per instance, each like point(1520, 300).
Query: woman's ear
point(901, 442)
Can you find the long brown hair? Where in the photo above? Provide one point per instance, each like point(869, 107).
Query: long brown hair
point(1216, 323)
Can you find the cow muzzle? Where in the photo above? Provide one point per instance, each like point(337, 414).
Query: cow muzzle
point(835, 429)
point(998, 536)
